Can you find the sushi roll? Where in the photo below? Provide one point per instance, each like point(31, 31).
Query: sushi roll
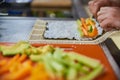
point(89, 28)
point(82, 29)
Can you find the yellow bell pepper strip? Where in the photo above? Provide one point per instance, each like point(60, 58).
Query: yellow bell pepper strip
point(39, 72)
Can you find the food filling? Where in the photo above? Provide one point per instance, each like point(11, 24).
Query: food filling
point(89, 28)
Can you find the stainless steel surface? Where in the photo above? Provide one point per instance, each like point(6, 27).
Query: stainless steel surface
point(111, 60)
point(15, 29)
point(18, 1)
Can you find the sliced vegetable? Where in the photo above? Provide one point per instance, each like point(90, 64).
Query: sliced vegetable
point(87, 27)
point(69, 65)
point(84, 60)
point(79, 28)
point(50, 63)
point(17, 48)
point(97, 71)
point(9, 64)
point(72, 74)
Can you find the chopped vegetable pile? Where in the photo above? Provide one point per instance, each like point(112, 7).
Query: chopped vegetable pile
point(50, 63)
point(87, 28)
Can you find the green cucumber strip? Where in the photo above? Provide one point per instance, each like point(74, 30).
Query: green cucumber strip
point(35, 57)
point(79, 28)
point(48, 67)
point(90, 29)
point(34, 50)
point(27, 51)
point(47, 49)
point(64, 59)
point(72, 74)
point(60, 60)
point(58, 67)
point(92, 63)
point(97, 71)
point(15, 49)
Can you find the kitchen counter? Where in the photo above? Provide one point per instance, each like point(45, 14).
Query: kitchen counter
point(14, 29)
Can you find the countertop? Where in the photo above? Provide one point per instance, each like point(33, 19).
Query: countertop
point(14, 29)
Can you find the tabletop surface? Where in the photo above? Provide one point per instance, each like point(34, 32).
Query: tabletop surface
point(15, 29)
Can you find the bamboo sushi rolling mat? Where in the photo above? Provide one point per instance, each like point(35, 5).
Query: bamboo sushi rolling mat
point(36, 36)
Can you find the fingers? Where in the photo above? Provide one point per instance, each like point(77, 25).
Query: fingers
point(102, 11)
point(106, 25)
point(101, 15)
point(109, 18)
point(103, 19)
point(94, 7)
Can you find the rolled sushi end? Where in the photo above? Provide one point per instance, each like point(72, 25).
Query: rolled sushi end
point(88, 28)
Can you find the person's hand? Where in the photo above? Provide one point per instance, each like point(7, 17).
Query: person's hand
point(95, 5)
point(109, 18)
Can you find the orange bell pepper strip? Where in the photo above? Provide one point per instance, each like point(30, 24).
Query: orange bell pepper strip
point(23, 70)
point(85, 33)
point(22, 58)
point(84, 23)
point(3, 63)
point(10, 63)
point(93, 34)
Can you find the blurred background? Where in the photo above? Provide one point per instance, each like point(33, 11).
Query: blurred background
point(45, 8)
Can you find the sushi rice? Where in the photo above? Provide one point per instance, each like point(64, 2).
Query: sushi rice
point(66, 30)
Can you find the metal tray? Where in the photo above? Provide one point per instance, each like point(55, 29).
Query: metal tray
point(99, 52)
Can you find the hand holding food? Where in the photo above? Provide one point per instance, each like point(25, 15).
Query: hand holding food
point(95, 5)
point(109, 18)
